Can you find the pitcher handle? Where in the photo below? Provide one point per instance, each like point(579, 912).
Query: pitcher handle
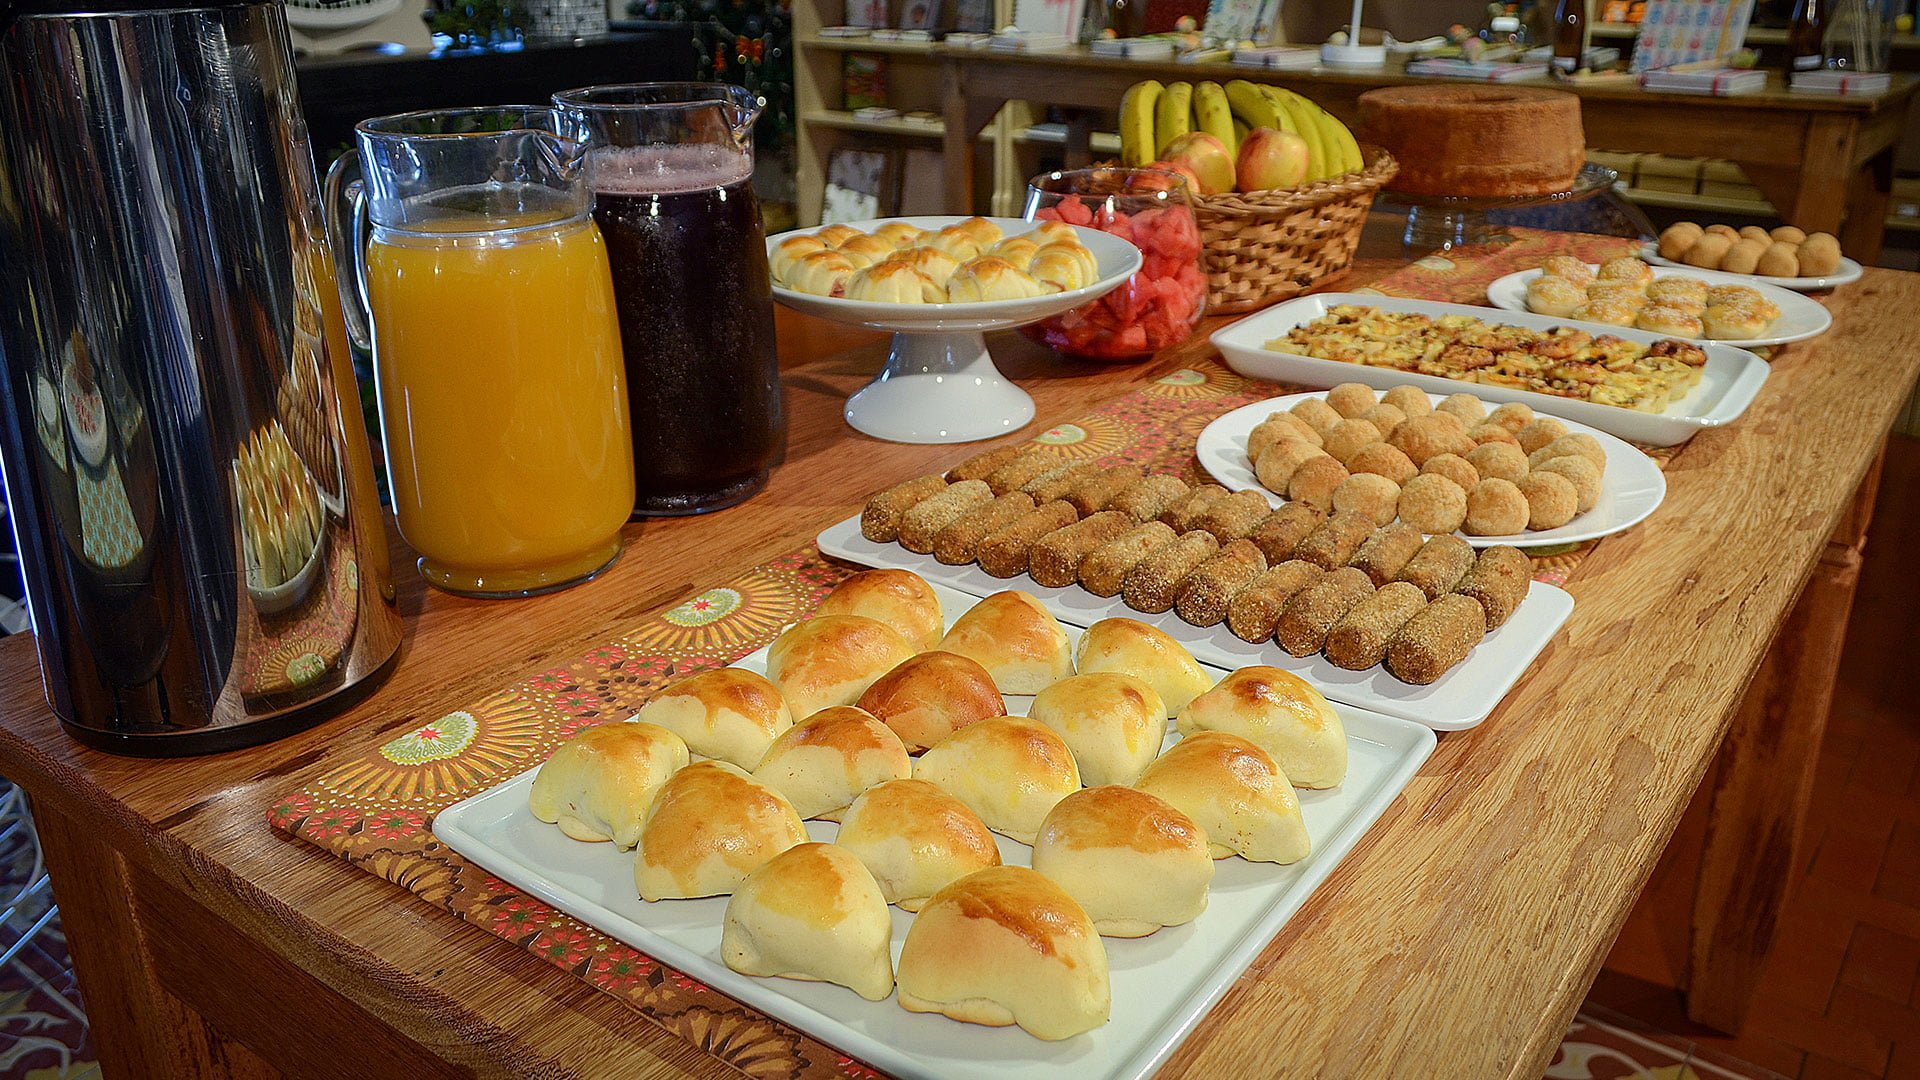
point(344, 208)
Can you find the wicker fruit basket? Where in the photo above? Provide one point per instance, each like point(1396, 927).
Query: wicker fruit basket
point(1263, 247)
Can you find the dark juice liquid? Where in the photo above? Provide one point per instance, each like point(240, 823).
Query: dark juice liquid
point(690, 281)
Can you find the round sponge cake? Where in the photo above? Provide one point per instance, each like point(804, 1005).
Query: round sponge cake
point(1477, 140)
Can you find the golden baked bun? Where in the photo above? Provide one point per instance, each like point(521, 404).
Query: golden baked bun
point(864, 251)
point(812, 913)
point(1060, 269)
point(1006, 946)
point(1626, 268)
point(1008, 770)
point(789, 251)
point(900, 234)
point(1686, 293)
point(936, 264)
point(599, 784)
point(892, 282)
point(1233, 790)
point(956, 242)
point(1577, 271)
point(824, 762)
point(1556, 296)
point(915, 839)
point(1113, 723)
point(1054, 232)
point(832, 659)
point(984, 232)
point(1129, 859)
point(1662, 319)
point(1733, 322)
point(1733, 294)
point(991, 278)
point(1074, 251)
point(900, 598)
point(729, 713)
point(1016, 639)
point(822, 273)
point(711, 826)
point(835, 235)
point(1018, 250)
point(931, 696)
point(1613, 312)
point(1282, 714)
point(1149, 654)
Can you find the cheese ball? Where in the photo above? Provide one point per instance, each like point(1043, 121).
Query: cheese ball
point(1385, 417)
point(1384, 460)
point(1314, 481)
point(1351, 399)
point(1789, 234)
point(1513, 416)
point(1584, 475)
point(1422, 437)
point(1779, 260)
point(1468, 408)
point(1499, 461)
point(1496, 508)
point(1410, 400)
point(1742, 257)
point(1819, 255)
point(1582, 445)
point(1707, 251)
point(1276, 427)
point(1278, 462)
point(1542, 431)
point(1551, 500)
point(1567, 268)
point(1317, 413)
point(1433, 504)
point(1369, 494)
point(1453, 467)
point(1490, 432)
point(1347, 437)
point(1677, 238)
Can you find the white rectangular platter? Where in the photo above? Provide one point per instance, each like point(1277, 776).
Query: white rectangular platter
point(1455, 701)
point(1162, 984)
point(1727, 386)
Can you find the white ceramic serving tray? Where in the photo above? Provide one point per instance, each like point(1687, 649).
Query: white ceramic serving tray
point(1800, 318)
point(1631, 487)
point(1728, 385)
point(1847, 274)
point(1162, 984)
point(1455, 701)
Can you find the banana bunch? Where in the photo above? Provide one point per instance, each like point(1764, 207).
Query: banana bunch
point(1153, 115)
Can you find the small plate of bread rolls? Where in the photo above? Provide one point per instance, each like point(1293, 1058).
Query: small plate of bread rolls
point(1443, 463)
point(1684, 302)
point(1023, 849)
point(1786, 256)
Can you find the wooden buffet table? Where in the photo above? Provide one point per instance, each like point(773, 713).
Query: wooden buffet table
point(1826, 163)
point(1456, 940)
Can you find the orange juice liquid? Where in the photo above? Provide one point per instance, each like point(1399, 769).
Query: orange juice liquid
point(503, 398)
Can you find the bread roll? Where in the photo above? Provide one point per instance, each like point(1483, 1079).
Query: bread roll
point(915, 839)
point(900, 234)
point(1233, 790)
point(1743, 256)
point(892, 282)
point(1677, 238)
point(790, 251)
point(901, 599)
point(1007, 946)
point(1819, 255)
point(1149, 654)
point(824, 762)
point(1113, 723)
point(864, 251)
point(831, 660)
point(1707, 251)
point(1779, 260)
point(937, 265)
point(727, 713)
point(1016, 639)
point(992, 278)
point(711, 826)
point(599, 784)
point(812, 913)
point(1283, 715)
point(1129, 859)
point(1009, 770)
point(931, 696)
point(822, 273)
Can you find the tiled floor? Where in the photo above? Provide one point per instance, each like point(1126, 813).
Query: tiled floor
point(1839, 999)
point(1840, 996)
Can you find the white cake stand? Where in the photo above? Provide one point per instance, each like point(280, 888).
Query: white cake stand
point(940, 385)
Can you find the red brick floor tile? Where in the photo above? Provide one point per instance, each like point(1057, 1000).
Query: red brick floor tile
point(1899, 878)
point(1881, 962)
point(1889, 765)
point(1846, 1042)
point(1870, 1013)
point(1820, 1068)
point(1859, 905)
point(1906, 1059)
point(1809, 952)
point(1850, 851)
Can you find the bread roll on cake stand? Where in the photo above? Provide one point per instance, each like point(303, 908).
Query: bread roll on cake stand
point(940, 384)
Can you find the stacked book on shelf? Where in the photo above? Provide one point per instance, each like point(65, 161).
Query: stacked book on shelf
point(1714, 81)
point(1448, 68)
point(1840, 82)
point(1277, 58)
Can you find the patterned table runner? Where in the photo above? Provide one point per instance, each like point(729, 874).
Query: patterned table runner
point(375, 811)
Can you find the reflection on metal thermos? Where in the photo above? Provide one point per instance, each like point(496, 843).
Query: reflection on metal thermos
point(185, 457)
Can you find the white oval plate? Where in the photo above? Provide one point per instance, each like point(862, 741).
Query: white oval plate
point(1800, 318)
point(1848, 273)
point(1117, 260)
point(1630, 489)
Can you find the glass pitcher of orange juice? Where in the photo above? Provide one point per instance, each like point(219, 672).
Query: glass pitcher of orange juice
point(489, 309)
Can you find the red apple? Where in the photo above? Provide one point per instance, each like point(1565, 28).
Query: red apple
point(1206, 157)
point(1163, 176)
point(1271, 159)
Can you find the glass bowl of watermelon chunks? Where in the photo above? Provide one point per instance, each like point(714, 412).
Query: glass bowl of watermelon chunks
point(1157, 307)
